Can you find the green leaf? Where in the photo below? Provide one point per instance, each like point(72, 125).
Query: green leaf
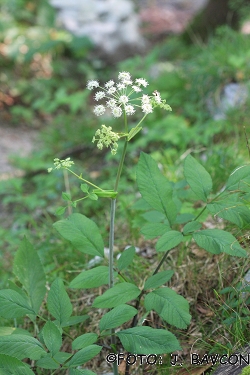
point(84, 340)
point(171, 307)
point(13, 366)
point(52, 337)
point(91, 278)
point(191, 227)
point(5, 331)
point(29, 270)
point(84, 188)
point(13, 305)
point(84, 355)
point(152, 230)
point(73, 371)
point(158, 279)
point(155, 188)
point(66, 196)
point(93, 196)
point(198, 178)
point(169, 240)
point(235, 212)
point(83, 233)
point(117, 316)
point(48, 362)
point(60, 210)
point(147, 340)
point(73, 320)
point(126, 258)
point(21, 346)
point(118, 294)
point(239, 178)
point(61, 357)
point(217, 241)
point(59, 304)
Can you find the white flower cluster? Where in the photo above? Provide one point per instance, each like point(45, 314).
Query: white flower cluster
point(67, 163)
point(106, 137)
point(118, 96)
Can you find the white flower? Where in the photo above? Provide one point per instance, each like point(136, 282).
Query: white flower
point(136, 88)
point(129, 109)
point(157, 96)
point(121, 86)
point(145, 99)
point(117, 112)
point(147, 108)
point(141, 82)
point(124, 76)
point(99, 110)
point(111, 91)
point(111, 103)
point(109, 84)
point(123, 99)
point(92, 84)
point(100, 95)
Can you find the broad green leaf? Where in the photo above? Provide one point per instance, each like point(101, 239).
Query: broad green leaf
point(91, 278)
point(158, 279)
point(60, 210)
point(235, 212)
point(84, 355)
point(147, 340)
point(59, 304)
point(155, 188)
point(169, 240)
point(21, 346)
point(61, 357)
point(217, 241)
point(84, 188)
point(126, 258)
point(29, 270)
point(117, 316)
point(73, 320)
point(171, 307)
point(84, 340)
point(5, 331)
point(13, 305)
point(73, 371)
point(153, 230)
point(238, 178)
point(154, 216)
point(52, 337)
point(198, 178)
point(48, 362)
point(191, 227)
point(83, 233)
point(13, 366)
point(118, 294)
point(66, 196)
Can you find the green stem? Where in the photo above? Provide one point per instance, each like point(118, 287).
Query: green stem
point(87, 182)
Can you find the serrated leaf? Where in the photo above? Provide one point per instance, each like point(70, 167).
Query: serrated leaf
point(13, 366)
point(83, 233)
point(198, 178)
point(61, 357)
point(52, 337)
point(48, 363)
point(29, 270)
point(154, 187)
point(232, 211)
point(153, 230)
point(21, 346)
point(217, 241)
point(169, 240)
point(91, 278)
point(5, 331)
point(238, 178)
point(84, 355)
point(147, 340)
point(117, 316)
point(73, 320)
point(191, 227)
point(171, 307)
point(126, 258)
point(118, 294)
point(84, 340)
point(59, 304)
point(158, 279)
point(13, 305)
